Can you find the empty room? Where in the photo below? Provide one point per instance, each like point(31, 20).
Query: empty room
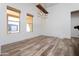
point(39, 29)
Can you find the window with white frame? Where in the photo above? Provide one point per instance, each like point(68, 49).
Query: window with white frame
point(29, 24)
point(13, 16)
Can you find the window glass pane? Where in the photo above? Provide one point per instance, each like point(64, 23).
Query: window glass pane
point(29, 25)
point(13, 27)
point(28, 28)
point(13, 22)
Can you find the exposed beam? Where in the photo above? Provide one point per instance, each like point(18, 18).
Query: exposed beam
point(39, 6)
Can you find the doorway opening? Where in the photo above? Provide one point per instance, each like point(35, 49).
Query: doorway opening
point(75, 24)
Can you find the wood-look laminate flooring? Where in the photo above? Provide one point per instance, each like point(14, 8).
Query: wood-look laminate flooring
point(43, 46)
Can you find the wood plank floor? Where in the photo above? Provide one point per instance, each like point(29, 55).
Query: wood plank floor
point(43, 46)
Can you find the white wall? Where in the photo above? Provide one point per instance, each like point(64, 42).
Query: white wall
point(6, 38)
point(58, 22)
point(74, 22)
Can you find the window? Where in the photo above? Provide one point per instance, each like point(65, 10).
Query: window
point(29, 24)
point(13, 16)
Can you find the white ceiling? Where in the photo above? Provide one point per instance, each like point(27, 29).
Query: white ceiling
point(46, 5)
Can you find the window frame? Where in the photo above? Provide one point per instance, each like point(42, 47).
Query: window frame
point(29, 23)
point(13, 21)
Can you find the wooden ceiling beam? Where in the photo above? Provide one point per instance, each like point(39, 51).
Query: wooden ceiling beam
point(39, 6)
